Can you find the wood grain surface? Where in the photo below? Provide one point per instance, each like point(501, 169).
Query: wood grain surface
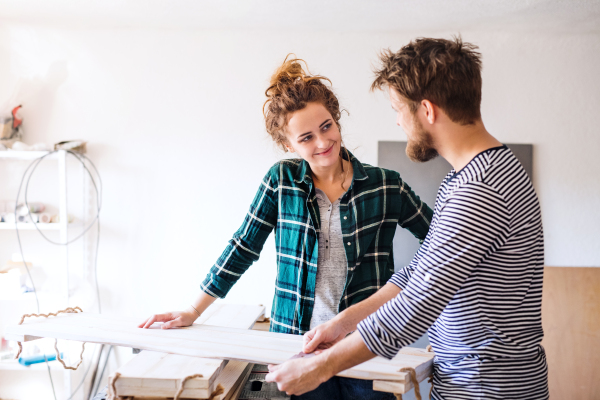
point(571, 321)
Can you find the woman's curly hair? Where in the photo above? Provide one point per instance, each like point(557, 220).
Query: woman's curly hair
point(291, 89)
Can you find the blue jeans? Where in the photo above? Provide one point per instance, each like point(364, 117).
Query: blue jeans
point(338, 388)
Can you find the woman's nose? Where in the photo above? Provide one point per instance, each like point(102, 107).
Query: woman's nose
point(322, 141)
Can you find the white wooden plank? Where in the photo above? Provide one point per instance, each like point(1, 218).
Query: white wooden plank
point(231, 315)
point(205, 341)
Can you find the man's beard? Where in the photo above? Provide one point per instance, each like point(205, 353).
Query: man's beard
point(421, 149)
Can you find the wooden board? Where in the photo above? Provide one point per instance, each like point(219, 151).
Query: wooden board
point(231, 315)
point(233, 376)
point(153, 373)
point(206, 341)
point(404, 386)
point(571, 321)
point(234, 394)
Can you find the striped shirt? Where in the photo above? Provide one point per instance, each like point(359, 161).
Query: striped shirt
point(475, 286)
point(376, 202)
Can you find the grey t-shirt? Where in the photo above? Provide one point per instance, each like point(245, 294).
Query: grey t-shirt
point(332, 265)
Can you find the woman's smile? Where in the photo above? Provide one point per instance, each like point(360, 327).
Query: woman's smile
point(326, 152)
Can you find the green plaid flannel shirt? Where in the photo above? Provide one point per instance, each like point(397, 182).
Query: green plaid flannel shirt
point(376, 201)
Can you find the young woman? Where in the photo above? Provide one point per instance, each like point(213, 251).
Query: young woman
point(334, 220)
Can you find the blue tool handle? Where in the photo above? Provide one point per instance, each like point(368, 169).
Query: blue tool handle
point(38, 358)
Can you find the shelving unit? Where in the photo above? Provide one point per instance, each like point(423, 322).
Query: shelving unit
point(62, 227)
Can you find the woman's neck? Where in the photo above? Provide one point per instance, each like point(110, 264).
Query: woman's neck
point(332, 174)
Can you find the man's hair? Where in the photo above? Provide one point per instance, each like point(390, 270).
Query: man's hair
point(445, 72)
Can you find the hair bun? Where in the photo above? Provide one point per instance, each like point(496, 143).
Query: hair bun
point(288, 73)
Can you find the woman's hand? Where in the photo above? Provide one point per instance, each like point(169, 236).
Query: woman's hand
point(323, 336)
point(173, 319)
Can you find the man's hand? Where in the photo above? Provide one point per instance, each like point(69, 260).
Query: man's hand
point(173, 319)
point(331, 332)
point(299, 376)
point(323, 336)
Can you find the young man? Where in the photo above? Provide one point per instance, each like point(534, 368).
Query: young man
point(475, 285)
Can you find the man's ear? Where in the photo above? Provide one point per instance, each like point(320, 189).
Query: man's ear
point(430, 111)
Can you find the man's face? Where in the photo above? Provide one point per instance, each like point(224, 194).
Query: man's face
point(420, 146)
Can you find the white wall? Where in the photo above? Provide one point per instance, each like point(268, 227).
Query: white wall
point(174, 124)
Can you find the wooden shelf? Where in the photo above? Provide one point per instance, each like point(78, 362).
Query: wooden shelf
point(25, 155)
point(28, 226)
point(13, 365)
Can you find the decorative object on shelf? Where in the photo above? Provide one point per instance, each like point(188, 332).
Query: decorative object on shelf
point(78, 146)
point(33, 208)
point(36, 359)
point(11, 127)
point(56, 218)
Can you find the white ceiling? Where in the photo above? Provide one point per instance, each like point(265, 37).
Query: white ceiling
point(314, 15)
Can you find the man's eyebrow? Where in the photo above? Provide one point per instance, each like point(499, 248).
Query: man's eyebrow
point(327, 120)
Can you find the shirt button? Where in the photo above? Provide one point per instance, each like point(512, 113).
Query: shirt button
point(345, 217)
point(348, 243)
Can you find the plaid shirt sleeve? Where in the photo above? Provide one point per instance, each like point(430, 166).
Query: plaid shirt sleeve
point(416, 217)
point(245, 246)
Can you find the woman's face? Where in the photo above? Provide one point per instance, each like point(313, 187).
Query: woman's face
point(314, 136)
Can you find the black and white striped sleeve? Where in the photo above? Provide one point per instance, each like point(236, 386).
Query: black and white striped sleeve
point(402, 277)
point(470, 225)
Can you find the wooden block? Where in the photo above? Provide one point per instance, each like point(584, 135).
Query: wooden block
point(234, 394)
point(232, 376)
point(262, 326)
point(392, 387)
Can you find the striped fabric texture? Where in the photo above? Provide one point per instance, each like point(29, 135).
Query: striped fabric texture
point(475, 286)
point(377, 201)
